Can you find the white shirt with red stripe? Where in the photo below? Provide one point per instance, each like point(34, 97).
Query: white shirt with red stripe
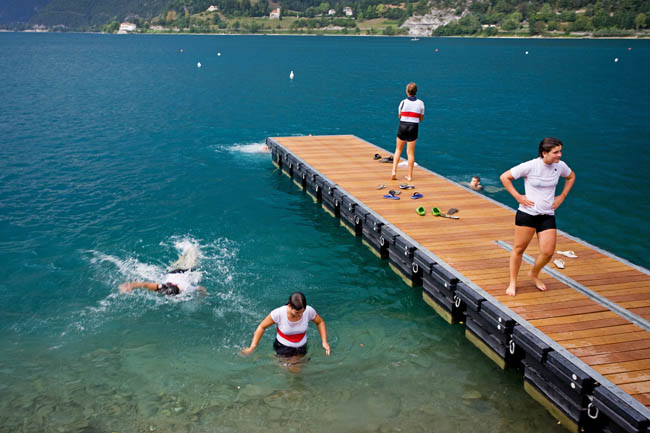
point(410, 110)
point(292, 334)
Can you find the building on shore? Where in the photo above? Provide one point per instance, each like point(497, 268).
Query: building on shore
point(275, 14)
point(348, 11)
point(126, 28)
point(213, 8)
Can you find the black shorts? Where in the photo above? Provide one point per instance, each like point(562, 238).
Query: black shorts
point(408, 131)
point(288, 351)
point(538, 222)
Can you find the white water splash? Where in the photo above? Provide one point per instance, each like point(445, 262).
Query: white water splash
point(247, 148)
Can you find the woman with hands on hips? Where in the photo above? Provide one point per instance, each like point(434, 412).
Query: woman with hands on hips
point(536, 212)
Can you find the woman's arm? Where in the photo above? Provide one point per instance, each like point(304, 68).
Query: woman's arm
point(506, 180)
point(268, 321)
point(322, 330)
point(127, 287)
point(568, 184)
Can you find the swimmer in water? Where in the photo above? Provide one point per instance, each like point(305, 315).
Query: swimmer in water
point(475, 184)
point(176, 281)
point(173, 284)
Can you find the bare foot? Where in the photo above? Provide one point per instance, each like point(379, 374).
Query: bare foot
point(511, 290)
point(408, 178)
point(393, 176)
point(538, 283)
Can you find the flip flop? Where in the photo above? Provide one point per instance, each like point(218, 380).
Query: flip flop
point(452, 211)
point(391, 197)
point(416, 195)
point(387, 159)
point(377, 156)
point(569, 253)
point(421, 211)
point(559, 263)
point(406, 186)
point(382, 186)
point(436, 212)
point(393, 192)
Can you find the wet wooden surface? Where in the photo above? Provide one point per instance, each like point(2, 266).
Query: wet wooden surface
point(606, 341)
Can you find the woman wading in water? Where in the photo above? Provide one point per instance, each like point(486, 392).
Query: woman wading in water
point(292, 321)
point(536, 213)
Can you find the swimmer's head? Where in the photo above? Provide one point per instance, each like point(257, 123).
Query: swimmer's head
point(476, 180)
point(412, 89)
point(297, 301)
point(547, 144)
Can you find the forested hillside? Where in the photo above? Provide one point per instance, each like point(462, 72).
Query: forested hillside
point(459, 17)
point(609, 17)
point(91, 14)
point(16, 11)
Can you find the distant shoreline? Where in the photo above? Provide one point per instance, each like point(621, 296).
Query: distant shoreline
point(570, 37)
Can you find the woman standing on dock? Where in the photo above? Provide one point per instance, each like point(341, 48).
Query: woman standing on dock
point(536, 212)
point(292, 321)
point(410, 113)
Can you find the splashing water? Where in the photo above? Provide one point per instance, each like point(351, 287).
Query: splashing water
point(248, 148)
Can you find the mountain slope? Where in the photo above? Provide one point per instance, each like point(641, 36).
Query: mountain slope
point(15, 11)
point(81, 14)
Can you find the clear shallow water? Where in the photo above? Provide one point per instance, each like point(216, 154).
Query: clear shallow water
point(117, 152)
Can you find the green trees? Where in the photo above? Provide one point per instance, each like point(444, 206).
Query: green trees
point(468, 25)
point(581, 24)
point(475, 17)
point(512, 22)
point(111, 27)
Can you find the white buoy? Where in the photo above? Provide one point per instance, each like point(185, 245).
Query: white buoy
point(218, 54)
point(198, 64)
point(526, 52)
point(291, 75)
point(616, 60)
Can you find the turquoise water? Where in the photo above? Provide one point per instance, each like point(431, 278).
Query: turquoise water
point(117, 153)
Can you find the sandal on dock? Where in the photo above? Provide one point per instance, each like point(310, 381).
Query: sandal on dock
point(569, 253)
point(391, 197)
point(559, 263)
point(421, 211)
point(416, 195)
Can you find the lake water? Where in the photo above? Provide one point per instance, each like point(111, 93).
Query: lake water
point(117, 153)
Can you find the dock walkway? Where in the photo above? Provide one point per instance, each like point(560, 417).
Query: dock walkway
point(584, 344)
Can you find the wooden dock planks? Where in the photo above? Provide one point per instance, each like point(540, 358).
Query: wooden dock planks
point(603, 339)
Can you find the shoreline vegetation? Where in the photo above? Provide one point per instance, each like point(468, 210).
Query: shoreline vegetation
point(336, 34)
point(581, 19)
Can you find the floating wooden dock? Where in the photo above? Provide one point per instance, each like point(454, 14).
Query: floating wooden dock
point(583, 345)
